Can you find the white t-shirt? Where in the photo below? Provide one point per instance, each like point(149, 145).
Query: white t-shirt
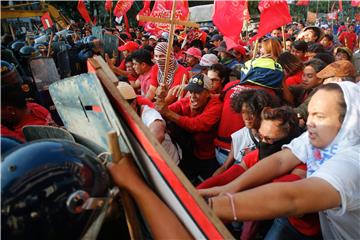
point(340, 168)
point(148, 116)
point(242, 143)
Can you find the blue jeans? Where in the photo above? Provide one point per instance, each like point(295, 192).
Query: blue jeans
point(221, 155)
point(283, 230)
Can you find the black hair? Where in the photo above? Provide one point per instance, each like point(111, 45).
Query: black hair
point(329, 37)
point(149, 48)
point(315, 48)
point(124, 36)
point(316, 64)
point(142, 56)
point(325, 57)
point(197, 43)
point(336, 88)
point(255, 99)
point(128, 59)
point(300, 45)
point(222, 71)
point(12, 95)
point(287, 117)
point(133, 35)
point(290, 63)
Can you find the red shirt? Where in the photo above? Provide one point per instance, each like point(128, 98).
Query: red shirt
point(294, 79)
point(202, 125)
point(348, 39)
point(230, 120)
point(37, 115)
point(122, 65)
point(180, 71)
point(145, 82)
point(307, 224)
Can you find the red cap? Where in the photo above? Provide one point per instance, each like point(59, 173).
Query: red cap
point(195, 52)
point(240, 49)
point(129, 46)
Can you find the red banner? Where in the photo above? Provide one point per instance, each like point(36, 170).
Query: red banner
point(145, 11)
point(273, 14)
point(46, 21)
point(83, 11)
point(122, 7)
point(162, 9)
point(108, 5)
point(303, 3)
point(355, 3)
point(229, 17)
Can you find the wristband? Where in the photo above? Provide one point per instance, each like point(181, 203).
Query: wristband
point(232, 205)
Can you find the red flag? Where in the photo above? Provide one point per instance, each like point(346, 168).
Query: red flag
point(229, 16)
point(122, 7)
point(46, 21)
point(340, 5)
point(162, 9)
point(302, 3)
point(145, 11)
point(108, 5)
point(355, 3)
point(273, 14)
point(83, 11)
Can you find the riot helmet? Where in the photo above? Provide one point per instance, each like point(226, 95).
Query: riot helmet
point(51, 189)
point(28, 52)
point(15, 46)
point(8, 144)
point(90, 38)
point(9, 74)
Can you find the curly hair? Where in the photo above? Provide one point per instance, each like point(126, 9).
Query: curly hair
point(255, 99)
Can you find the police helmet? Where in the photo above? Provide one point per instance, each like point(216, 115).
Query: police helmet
point(9, 74)
point(15, 46)
point(29, 52)
point(8, 144)
point(47, 187)
point(90, 38)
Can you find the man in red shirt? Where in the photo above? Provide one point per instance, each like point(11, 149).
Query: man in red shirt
point(126, 49)
point(197, 116)
point(142, 65)
point(174, 76)
point(349, 38)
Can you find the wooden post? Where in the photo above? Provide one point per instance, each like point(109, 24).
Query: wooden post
point(170, 43)
point(12, 32)
point(50, 43)
point(128, 204)
point(255, 48)
point(283, 37)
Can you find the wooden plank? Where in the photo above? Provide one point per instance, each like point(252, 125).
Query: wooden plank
point(178, 192)
point(5, 14)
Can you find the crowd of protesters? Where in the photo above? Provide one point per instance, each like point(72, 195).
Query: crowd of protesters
point(269, 135)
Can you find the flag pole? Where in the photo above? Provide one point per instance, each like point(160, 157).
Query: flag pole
point(110, 17)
